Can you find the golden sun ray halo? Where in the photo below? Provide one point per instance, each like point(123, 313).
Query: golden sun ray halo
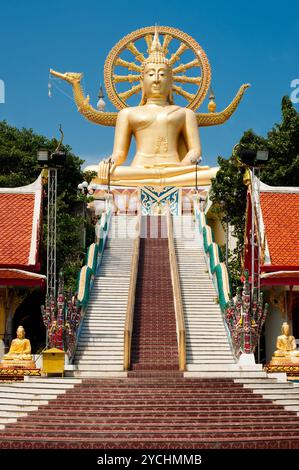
point(187, 43)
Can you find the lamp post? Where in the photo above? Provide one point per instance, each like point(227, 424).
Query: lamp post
point(254, 160)
point(51, 162)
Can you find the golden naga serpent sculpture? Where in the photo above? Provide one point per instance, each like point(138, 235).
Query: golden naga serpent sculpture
point(119, 99)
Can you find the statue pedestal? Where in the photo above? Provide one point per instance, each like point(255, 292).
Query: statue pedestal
point(17, 364)
point(149, 200)
point(16, 372)
point(288, 365)
point(284, 360)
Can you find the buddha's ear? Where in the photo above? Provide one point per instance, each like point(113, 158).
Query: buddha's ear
point(170, 97)
point(143, 97)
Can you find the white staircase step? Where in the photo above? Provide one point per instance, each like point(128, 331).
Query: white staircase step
point(100, 347)
point(207, 344)
point(100, 367)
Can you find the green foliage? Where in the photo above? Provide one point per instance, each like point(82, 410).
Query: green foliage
point(228, 191)
point(19, 167)
point(283, 145)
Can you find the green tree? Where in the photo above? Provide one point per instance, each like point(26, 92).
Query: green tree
point(283, 144)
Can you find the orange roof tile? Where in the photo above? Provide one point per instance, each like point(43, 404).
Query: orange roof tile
point(20, 211)
point(281, 219)
point(16, 216)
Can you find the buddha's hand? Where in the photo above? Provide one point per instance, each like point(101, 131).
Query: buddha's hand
point(192, 158)
point(106, 167)
point(195, 160)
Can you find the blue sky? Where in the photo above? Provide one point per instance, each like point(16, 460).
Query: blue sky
point(255, 42)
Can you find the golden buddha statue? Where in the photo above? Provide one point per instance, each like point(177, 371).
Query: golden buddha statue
point(167, 139)
point(286, 343)
point(19, 353)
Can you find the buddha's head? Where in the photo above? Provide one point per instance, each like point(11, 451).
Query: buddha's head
point(156, 74)
point(285, 329)
point(20, 332)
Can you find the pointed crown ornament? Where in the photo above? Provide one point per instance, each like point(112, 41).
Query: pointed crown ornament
point(156, 54)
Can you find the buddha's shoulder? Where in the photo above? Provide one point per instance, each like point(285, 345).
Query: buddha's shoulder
point(190, 112)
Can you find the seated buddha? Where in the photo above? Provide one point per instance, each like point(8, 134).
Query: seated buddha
point(286, 344)
point(19, 353)
point(167, 138)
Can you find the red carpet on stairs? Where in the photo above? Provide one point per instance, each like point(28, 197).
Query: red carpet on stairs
point(155, 413)
point(154, 341)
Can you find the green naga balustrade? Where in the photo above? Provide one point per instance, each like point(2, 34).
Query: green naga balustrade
point(244, 316)
point(217, 267)
point(93, 259)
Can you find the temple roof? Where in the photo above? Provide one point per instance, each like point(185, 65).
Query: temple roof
point(17, 277)
point(278, 221)
point(20, 219)
point(280, 212)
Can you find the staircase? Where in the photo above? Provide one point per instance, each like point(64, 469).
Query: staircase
point(17, 399)
point(154, 340)
point(155, 413)
point(155, 407)
point(207, 345)
point(100, 348)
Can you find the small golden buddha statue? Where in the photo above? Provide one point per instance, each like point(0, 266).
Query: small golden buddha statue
point(286, 344)
point(19, 353)
point(287, 352)
point(167, 137)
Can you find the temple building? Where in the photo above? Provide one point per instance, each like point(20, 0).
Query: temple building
point(276, 255)
point(20, 262)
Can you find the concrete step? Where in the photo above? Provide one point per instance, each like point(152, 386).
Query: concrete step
point(102, 349)
point(8, 414)
point(194, 341)
point(99, 342)
point(98, 374)
point(95, 361)
point(52, 380)
point(22, 402)
point(99, 367)
point(224, 374)
point(27, 392)
point(199, 349)
point(99, 355)
point(112, 328)
point(272, 387)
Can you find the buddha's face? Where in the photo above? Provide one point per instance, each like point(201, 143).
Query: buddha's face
point(157, 80)
point(20, 332)
point(285, 329)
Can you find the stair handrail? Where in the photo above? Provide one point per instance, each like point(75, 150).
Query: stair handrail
point(177, 294)
point(131, 297)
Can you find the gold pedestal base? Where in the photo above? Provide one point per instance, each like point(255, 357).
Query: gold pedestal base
point(15, 373)
point(284, 361)
point(292, 370)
